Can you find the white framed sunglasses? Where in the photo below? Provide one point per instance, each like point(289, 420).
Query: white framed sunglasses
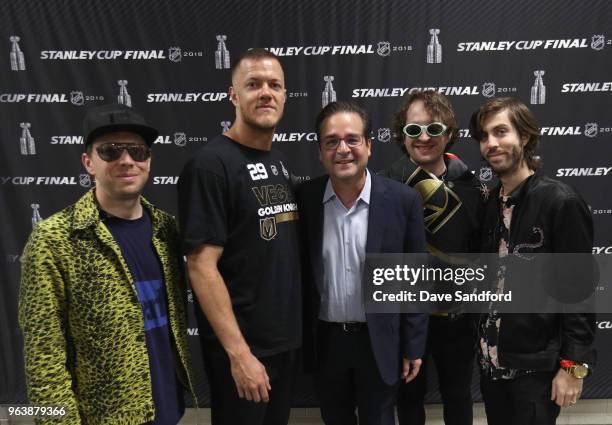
point(433, 129)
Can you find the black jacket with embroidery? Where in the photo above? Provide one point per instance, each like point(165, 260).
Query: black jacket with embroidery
point(548, 217)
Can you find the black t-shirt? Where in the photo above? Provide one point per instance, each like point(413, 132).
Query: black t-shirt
point(241, 198)
point(134, 240)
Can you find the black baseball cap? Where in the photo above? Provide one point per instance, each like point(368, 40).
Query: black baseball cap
point(116, 117)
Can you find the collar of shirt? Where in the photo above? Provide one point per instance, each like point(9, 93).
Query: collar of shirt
point(364, 195)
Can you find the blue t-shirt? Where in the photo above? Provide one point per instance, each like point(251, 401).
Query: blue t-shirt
point(134, 240)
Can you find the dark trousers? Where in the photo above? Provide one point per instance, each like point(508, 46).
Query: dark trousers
point(347, 377)
point(227, 408)
point(521, 401)
point(451, 345)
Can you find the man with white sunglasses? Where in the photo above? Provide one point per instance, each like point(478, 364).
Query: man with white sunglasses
point(102, 300)
point(425, 128)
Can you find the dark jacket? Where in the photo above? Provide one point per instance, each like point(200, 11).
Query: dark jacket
point(548, 217)
point(460, 233)
point(395, 225)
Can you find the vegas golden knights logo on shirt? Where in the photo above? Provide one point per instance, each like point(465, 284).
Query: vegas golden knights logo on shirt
point(439, 202)
point(267, 228)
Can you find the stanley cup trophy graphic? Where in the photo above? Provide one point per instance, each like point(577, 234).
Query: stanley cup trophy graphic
point(222, 56)
point(124, 98)
point(17, 59)
point(27, 144)
point(434, 48)
point(225, 125)
point(329, 94)
point(538, 90)
point(36, 218)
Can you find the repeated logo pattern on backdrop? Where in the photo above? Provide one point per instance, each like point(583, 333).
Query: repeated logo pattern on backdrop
point(171, 61)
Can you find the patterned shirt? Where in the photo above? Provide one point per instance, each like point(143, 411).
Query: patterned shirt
point(489, 328)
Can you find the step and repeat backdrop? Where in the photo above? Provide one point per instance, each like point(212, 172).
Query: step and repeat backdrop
point(170, 60)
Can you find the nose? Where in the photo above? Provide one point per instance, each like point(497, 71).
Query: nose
point(489, 141)
point(423, 137)
point(125, 158)
point(343, 147)
point(265, 91)
point(488, 145)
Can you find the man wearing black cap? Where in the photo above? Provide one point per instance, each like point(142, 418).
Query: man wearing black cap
point(101, 302)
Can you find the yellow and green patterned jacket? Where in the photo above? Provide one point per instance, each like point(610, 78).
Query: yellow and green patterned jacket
point(82, 323)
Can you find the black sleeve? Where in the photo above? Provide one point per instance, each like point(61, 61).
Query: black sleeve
point(573, 233)
point(202, 205)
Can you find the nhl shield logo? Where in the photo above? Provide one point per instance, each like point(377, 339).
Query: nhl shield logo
point(85, 180)
point(598, 42)
point(267, 228)
point(384, 48)
point(274, 170)
point(180, 139)
point(488, 89)
point(486, 174)
point(384, 135)
point(174, 54)
point(591, 129)
point(77, 98)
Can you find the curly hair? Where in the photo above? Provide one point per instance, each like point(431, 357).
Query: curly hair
point(438, 106)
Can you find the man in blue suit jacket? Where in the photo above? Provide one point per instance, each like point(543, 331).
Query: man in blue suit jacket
point(358, 358)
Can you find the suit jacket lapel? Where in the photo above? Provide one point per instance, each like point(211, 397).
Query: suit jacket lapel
point(316, 238)
point(376, 216)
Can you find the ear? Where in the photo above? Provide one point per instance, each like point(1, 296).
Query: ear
point(233, 95)
point(524, 140)
point(87, 163)
point(285, 95)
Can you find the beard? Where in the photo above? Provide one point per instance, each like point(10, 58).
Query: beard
point(515, 158)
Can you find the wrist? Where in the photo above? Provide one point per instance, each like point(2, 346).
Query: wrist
point(575, 369)
point(238, 351)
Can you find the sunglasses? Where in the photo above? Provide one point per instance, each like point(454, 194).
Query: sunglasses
point(434, 129)
point(112, 151)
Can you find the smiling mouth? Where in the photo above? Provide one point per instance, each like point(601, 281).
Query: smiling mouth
point(424, 147)
point(495, 155)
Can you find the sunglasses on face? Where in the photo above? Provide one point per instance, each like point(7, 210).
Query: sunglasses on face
point(112, 151)
point(351, 141)
point(414, 130)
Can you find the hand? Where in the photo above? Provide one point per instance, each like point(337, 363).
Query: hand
point(410, 369)
point(252, 381)
point(566, 389)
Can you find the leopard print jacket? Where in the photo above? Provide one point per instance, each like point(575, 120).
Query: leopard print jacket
point(83, 327)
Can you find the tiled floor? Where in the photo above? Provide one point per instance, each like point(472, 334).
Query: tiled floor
point(586, 412)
